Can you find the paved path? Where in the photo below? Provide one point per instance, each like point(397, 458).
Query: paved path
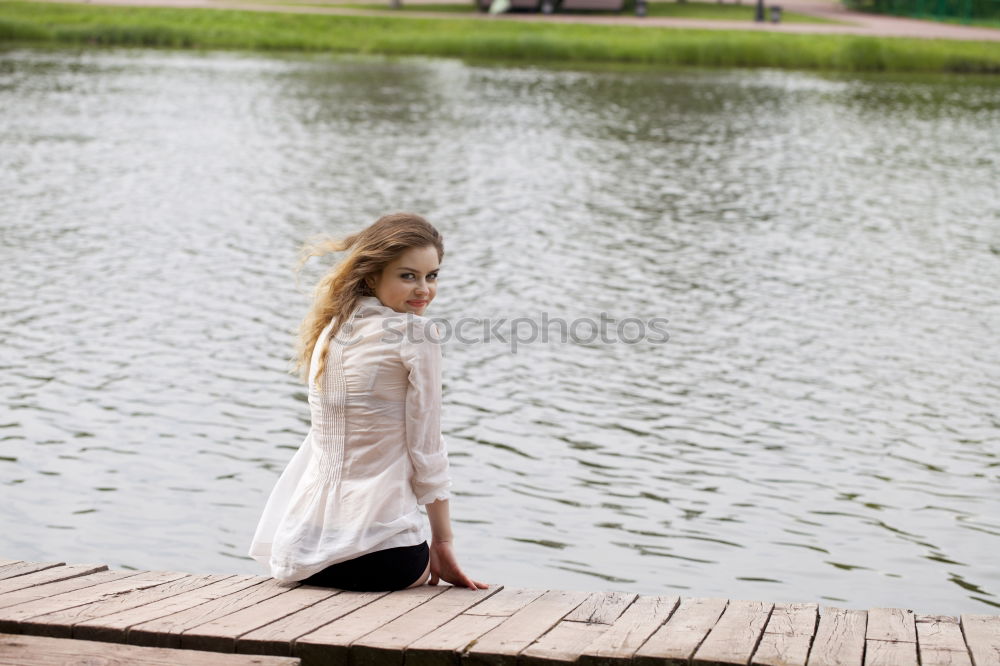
point(855, 23)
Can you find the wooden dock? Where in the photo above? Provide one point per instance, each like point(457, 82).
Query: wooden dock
point(51, 610)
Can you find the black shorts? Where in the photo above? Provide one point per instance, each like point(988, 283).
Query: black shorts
point(383, 570)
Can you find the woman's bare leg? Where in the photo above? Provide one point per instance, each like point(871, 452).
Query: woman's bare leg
point(423, 577)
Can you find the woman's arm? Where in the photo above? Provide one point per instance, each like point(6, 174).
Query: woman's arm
point(428, 454)
point(444, 565)
point(421, 356)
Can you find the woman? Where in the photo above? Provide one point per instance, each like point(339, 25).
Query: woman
point(344, 512)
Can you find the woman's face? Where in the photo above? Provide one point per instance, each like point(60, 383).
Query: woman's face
point(409, 283)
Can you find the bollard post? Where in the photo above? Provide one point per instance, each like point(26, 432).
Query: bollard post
point(758, 15)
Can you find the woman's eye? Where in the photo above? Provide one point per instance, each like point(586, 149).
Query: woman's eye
point(432, 276)
point(406, 276)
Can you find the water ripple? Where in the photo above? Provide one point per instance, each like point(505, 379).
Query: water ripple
point(821, 423)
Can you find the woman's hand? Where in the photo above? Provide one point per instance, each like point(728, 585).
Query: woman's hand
point(445, 567)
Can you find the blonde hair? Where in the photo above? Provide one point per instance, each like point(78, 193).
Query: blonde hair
point(338, 292)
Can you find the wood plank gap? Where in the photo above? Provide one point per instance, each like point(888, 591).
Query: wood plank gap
point(331, 642)
point(505, 604)
point(57, 622)
point(386, 644)
point(812, 637)
point(444, 645)
point(20, 650)
point(940, 641)
point(890, 653)
point(677, 641)
point(221, 634)
point(24, 568)
point(788, 636)
point(114, 628)
point(279, 637)
point(641, 619)
point(736, 634)
point(982, 636)
point(166, 631)
point(566, 640)
point(840, 638)
point(53, 575)
point(602, 607)
point(55, 616)
point(66, 593)
point(506, 641)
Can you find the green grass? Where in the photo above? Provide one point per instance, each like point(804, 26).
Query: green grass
point(498, 41)
point(986, 16)
point(975, 22)
point(693, 10)
point(979, 23)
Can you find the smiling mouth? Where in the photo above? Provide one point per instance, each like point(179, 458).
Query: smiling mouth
point(417, 303)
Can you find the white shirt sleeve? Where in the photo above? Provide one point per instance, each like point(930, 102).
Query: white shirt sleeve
point(420, 352)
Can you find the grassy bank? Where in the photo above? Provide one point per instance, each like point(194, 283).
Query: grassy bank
point(43, 23)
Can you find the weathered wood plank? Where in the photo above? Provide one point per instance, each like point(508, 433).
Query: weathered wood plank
point(385, 645)
point(581, 627)
point(17, 650)
point(629, 632)
point(330, 642)
point(940, 632)
point(676, 641)
point(220, 634)
point(445, 644)
point(12, 616)
point(23, 568)
point(602, 607)
point(840, 638)
point(940, 641)
point(278, 637)
point(4, 563)
point(734, 637)
point(793, 619)
point(53, 575)
point(457, 627)
point(890, 653)
point(502, 644)
point(891, 624)
point(166, 631)
point(943, 658)
point(46, 590)
point(787, 636)
point(982, 635)
point(61, 623)
point(507, 602)
point(114, 628)
point(562, 644)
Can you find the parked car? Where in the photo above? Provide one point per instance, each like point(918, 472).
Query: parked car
point(531, 5)
point(600, 5)
point(550, 6)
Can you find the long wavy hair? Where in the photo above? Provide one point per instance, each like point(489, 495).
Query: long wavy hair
point(337, 293)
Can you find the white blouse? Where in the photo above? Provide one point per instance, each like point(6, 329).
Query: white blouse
point(374, 451)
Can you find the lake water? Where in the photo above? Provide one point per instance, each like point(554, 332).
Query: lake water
point(821, 425)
